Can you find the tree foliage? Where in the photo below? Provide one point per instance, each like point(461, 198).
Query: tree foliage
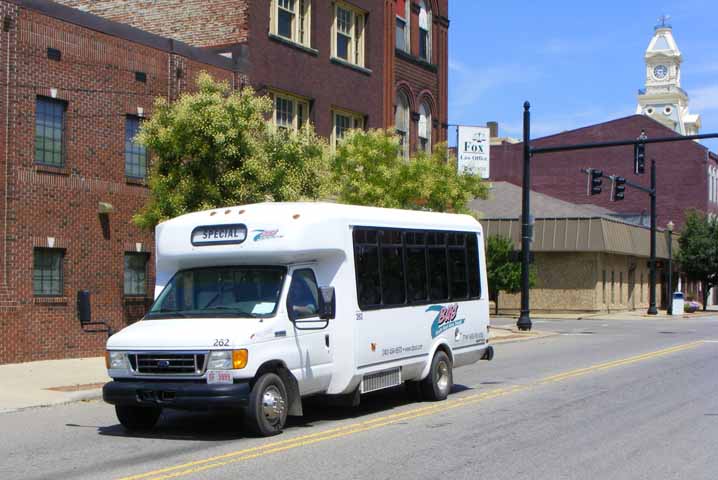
point(369, 170)
point(502, 271)
point(214, 147)
point(698, 251)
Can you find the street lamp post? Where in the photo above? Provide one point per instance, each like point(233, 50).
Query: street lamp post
point(524, 321)
point(669, 234)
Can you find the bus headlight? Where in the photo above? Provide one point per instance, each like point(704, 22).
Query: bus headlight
point(115, 360)
point(227, 359)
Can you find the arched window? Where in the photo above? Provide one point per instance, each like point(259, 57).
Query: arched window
point(425, 128)
point(424, 32)
point(403, 15)
point(401, 120)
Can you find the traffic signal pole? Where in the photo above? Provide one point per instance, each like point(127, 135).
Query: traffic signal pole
point(524, 321)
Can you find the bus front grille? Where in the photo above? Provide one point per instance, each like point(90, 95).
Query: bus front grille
point(168, 363)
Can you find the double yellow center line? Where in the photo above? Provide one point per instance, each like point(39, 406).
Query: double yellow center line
point(378, 422)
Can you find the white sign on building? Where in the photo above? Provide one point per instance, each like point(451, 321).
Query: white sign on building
point(473, 150)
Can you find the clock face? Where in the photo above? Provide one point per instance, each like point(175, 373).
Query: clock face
point(660, 71)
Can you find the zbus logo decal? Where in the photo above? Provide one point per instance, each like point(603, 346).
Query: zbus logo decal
point(445, 319)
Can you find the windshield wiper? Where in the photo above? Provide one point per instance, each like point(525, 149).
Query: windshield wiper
point(233, 310)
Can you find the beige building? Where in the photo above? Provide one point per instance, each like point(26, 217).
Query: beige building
point(585, 260)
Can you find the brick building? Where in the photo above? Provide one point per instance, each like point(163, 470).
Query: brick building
point(74, 88)
point(77, 79)
point(687, 172)
point(337, 64)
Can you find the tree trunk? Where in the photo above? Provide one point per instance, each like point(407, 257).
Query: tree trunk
point(496, 304)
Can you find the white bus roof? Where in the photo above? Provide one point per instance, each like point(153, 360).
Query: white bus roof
point(282, 233)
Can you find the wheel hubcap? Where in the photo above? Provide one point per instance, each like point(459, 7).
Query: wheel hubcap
point(272, 404)
point(443, 376)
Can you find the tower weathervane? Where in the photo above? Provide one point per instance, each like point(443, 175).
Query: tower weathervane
point(664, 20)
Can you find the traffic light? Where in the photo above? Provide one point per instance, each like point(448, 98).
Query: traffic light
point(596, 181)
point(639, 158)
point(619, 188)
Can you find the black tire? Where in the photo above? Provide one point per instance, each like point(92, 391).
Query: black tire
point(266, 414)
point(413, 390)
point(137, 419)
point(437, 385)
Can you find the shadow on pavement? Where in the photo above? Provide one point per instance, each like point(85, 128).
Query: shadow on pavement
point(226, 426)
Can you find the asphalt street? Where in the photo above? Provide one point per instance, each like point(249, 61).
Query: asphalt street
point(603, 399)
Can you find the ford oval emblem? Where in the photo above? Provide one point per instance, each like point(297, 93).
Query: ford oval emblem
point(163, 363)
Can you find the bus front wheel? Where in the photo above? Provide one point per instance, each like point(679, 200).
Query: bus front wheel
point(267, 410)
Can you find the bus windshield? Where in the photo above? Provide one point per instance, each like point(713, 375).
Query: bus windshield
point(244, 292)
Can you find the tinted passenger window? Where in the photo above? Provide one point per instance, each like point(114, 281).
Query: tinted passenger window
point(392, 276)
point(457, 269)
point(367, 266)
point(472, 255)
point(416, 273)
point(438, 284)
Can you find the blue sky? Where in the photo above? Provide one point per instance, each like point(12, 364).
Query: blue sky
point(577, 62)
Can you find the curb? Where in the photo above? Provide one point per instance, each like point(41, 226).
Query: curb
point(75, 397)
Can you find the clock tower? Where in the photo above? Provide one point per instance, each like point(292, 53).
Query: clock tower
point(663, 99)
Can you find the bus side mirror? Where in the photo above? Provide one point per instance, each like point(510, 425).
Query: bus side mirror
point(83, 306)
point(327, 303)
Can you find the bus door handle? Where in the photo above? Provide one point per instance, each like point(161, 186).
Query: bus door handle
point(326, 340)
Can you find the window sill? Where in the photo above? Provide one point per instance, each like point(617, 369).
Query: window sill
point(293, 44)
point(136, 299)
point(416, 60)
point(344, 63)
point(50, 300)
point(44, 168)
point(142, 182)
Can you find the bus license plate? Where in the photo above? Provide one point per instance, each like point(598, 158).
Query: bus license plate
point(219, 376)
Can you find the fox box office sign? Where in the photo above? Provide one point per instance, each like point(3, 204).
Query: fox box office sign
point(473, 150)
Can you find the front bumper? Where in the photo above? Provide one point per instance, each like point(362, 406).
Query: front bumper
point(177, 395)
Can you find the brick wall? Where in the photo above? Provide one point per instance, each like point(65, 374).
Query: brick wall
point(681, 169)
point(58, 206)
point(196, 22)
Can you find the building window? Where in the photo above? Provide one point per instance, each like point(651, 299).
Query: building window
point(135, 274)
point(49, 131)
point(47, 275)
point(135, 153)
point(290, 112)
point(425, 128)
point(424, 32)
point(403, 14)
point(344, 121)
point(348, 34)
point(401, 120)
point(290, 19)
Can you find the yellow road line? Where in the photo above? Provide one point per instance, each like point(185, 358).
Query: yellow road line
point(343, 431)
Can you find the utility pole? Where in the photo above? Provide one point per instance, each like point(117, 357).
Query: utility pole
point(652, 291)
point(524, 321)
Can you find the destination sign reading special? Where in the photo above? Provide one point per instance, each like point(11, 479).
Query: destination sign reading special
point(219, 234)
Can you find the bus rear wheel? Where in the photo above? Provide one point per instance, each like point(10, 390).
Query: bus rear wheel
point(437, 385)
point(266, 414)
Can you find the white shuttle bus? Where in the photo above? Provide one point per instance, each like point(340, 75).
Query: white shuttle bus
point(261, 305)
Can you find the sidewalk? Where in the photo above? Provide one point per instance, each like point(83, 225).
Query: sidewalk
point(622, 315)
point(54, 382)
point(51, 382)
